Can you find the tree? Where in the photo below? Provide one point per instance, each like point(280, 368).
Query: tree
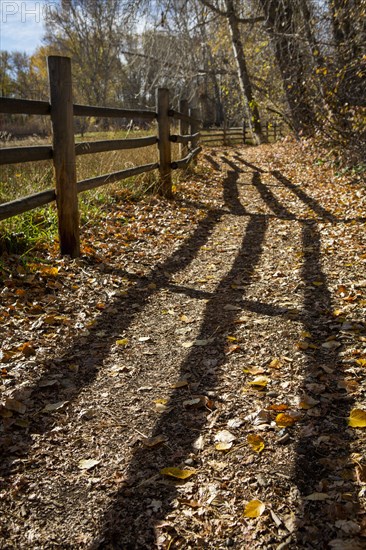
point(250, 105)
point(281, 25)
point(92, 33)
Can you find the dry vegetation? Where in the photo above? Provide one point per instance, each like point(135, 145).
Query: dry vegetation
point(188, 382)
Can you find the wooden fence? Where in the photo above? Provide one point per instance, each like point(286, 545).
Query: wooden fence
point(232, 136)
point(64, 150)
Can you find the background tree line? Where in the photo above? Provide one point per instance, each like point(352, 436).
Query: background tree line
point(301, 61)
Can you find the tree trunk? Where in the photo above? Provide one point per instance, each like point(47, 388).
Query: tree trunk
point(250, 105)
point(281, 27)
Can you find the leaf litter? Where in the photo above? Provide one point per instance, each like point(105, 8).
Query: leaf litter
point(292, 308)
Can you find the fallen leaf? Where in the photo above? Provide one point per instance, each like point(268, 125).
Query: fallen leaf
point(275, 364)
point(361, 362)
point(15, 405)
point(187, 344)
point(307, 402)
point(161, 408)
point(27, 349)
point(191, 503)
point(199, 443)
point(47, 270)
point(185, 319)
point(332, 344)
point(254, 509)
point(87, 464)
point(180, 383)
point(178, 473)
point(256, 442)
point(230, 307)
point(284, 420)
point(357, 418)
point(278, 408)
point(54, 406)
point(154, 441)
point(224, 436)
point(222, 446)
point(122, 342)
point(260, 383)
point(253, 370)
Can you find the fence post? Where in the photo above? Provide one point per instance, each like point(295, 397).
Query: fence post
point(165, 153)
point(275, 131)
point(183, 127)
point(60, 82)
point(244, 132)
point(195, 128)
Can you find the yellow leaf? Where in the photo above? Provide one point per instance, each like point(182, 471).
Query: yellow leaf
point(52, 271)
point(256, 442)
point(123, 342)
point(361, 362)
point(231, 339)
point(305, 334)
point(185, 319)
point(254, 509)
point(284, 420)
point(178, 473)
point(357, 419)
point(275, 364)
point(161, 401)
point(259, 383)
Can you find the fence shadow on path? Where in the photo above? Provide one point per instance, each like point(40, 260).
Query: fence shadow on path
point(324, 445)
point(129, 522)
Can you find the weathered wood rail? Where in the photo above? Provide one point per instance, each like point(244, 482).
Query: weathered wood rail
point(64, 150)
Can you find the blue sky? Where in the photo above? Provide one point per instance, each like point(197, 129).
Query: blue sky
point(22, 24)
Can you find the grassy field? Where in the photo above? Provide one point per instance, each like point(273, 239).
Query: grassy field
point(21, 233)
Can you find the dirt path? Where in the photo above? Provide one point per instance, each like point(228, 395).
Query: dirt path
point(188, 327)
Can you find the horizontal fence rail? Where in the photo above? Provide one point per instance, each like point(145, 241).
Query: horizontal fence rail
point(111, 112)
point(89, 147)
point(64, 149)
point(13, 106)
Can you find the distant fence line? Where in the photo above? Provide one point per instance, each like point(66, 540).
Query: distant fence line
point(64, 149)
